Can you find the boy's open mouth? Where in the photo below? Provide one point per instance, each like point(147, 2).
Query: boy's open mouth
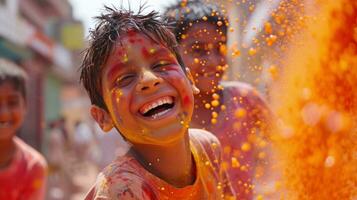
point(157, 107)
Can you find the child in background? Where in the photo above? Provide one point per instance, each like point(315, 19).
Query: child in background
point(137, 84)
point(233, 111)
point(22, 169)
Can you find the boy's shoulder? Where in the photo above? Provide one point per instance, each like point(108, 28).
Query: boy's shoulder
point(32, 158)
point(240, 88)
point(245, 93)
point(123, 178)
point(203, 138)
point(206, 147)
point(126, 178)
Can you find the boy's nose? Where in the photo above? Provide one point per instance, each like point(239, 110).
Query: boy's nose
point(148, 81)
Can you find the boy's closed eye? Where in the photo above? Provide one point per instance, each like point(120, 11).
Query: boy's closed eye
point(124, 80)
point(128, 78)
point(163, 65)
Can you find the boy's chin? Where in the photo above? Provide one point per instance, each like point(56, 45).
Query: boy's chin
point(165, 136)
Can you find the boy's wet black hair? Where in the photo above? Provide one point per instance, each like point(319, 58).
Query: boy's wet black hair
point(183, 14)
point(111, 24)
point(13, 74)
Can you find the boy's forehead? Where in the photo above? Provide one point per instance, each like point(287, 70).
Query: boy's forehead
point(133, 46)
point(132, 40)
point(135, 37)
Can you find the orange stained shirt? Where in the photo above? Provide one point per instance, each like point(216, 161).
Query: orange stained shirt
point(125, 178)
point(25, 177)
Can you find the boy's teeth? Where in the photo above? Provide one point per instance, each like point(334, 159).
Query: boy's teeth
point(155, 104)
point(159, 114)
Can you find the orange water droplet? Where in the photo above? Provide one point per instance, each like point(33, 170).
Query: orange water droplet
point(215, 103)
point(246, 146)
point(268, 28)
point(235, 163)
point(214, 145)
point(214, 114)
point(240, 112)
point(252, 51)
point(207, 105)
point(214, 121)
point(215, 96)
point(271, 39)
point(236, 53)
point(273, 71)
point(223, 49)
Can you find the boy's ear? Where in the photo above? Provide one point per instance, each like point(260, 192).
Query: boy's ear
point(193, 85)
point(102, 117)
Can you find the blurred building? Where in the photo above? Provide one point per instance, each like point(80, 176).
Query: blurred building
point(43, 37)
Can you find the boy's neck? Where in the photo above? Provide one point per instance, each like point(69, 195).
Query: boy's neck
point(172, 163)
point(7, 152)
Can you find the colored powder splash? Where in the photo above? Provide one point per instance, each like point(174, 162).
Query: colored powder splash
point(315, 99)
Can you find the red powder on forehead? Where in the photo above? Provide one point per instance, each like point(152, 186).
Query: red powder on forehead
point(132, 36)
point(132, 33)
point(120, 52)
point(145, 53)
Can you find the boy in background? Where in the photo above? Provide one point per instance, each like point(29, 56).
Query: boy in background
point(137, 84)
point(232, 110)
point(22, 169)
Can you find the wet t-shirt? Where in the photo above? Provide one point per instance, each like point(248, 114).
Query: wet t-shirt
point(125, 178)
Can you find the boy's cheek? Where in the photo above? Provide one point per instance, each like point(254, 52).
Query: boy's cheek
point(113, 99)
point(185, 90)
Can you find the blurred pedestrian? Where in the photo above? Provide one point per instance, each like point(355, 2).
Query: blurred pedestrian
point(23, 170)
point(60, 181)
point(110, 145)
point(83, 140)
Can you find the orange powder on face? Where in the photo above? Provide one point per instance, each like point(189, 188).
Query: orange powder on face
point(315, 101)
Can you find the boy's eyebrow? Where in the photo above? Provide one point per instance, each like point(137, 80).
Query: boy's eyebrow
point(159, 51)
point(114, 69)
point(119, 65)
